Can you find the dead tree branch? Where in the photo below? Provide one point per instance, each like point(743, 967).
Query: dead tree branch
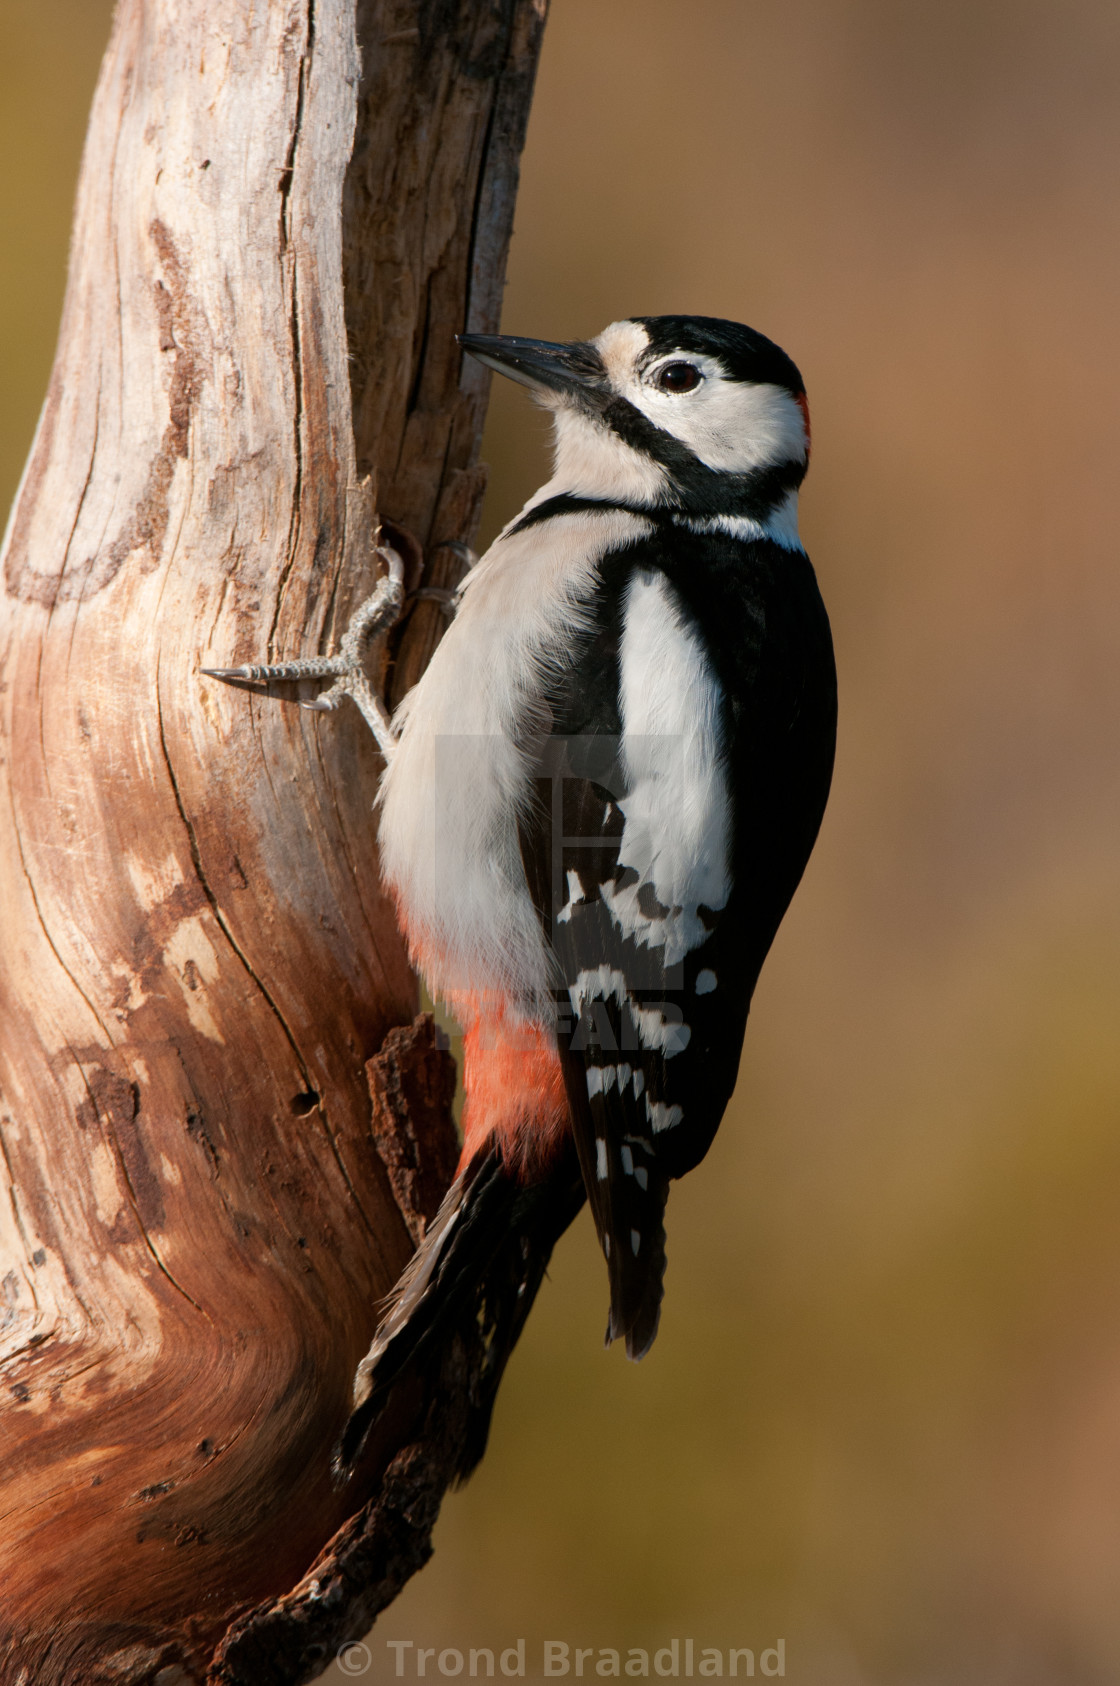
point(285, 213)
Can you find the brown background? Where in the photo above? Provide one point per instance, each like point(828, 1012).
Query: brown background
point(882, 1419)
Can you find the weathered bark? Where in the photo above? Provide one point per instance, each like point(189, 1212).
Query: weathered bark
point(195, 1223)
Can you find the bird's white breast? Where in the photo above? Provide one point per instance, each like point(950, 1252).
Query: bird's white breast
point(460, 775)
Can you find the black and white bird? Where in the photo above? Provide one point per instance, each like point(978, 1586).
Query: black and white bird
point(602, 795)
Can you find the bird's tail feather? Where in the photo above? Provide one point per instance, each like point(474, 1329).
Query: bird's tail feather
point(477, 1272)
point(636, 1267)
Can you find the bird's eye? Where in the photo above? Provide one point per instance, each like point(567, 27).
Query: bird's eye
point(678, 377)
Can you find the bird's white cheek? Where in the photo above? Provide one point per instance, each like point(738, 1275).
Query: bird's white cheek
point(733, 426)
point(596, 463)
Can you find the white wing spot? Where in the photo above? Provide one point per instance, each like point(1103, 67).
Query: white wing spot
point(635, 1241)
point(627, 1160)
point(594, 1076)
point(641, 1177)
point(601, 1159)
point(576, 894)
point(639, 1083)
point(667, 1036)
point(663, 1116)
point(705, 981)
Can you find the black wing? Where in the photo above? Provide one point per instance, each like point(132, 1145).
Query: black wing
point(648, 1039)
point(649, 1060)
point(657, 981)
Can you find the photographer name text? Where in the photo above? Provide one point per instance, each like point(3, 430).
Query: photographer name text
point(680, 1659)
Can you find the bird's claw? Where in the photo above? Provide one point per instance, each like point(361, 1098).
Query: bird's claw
point(245, 672)
point(374, 615)
point(326, 704)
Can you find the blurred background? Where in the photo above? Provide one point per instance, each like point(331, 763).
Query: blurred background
point(882, 1419)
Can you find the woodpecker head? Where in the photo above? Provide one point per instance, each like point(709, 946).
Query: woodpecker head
point(688, 412)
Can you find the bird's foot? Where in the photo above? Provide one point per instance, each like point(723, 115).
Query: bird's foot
point(372, 617)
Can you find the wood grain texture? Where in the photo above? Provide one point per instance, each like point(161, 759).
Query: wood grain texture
point(195, 1223)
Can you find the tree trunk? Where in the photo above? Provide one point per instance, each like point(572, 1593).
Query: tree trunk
point(286, 211)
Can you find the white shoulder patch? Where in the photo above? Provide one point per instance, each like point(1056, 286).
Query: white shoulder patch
point(677, 817)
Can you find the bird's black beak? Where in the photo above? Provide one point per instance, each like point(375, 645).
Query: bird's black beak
point(575, 369)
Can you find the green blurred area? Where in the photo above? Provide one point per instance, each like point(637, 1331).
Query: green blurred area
point(882, 1418)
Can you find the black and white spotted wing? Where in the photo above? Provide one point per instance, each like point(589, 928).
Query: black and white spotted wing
point(644, 1079)
point(676, 801)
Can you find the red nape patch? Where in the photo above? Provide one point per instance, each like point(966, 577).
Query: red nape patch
point(803, 406)
point(514, 1088)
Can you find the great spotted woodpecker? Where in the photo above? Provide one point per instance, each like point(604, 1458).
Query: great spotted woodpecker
point(600, 799)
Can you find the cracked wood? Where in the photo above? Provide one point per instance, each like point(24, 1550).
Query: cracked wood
point(285, 213)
